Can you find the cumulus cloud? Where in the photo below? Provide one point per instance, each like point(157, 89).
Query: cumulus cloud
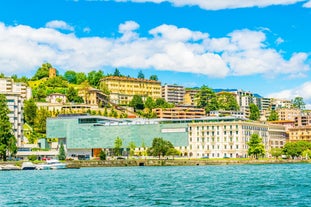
point(86, 29)
point(279, 41)
point(222, 4)
point(307, 5)
point(57, 24)
point(242, 52)
point(303, 90)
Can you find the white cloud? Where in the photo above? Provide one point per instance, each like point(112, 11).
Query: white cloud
point(303, 90)
point(223, 4)
point(57, 24)
point(86, 29)
point(307, 5)
point(242, 52)
point(279, 41)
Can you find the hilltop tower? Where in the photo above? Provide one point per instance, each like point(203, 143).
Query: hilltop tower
point(52, 72)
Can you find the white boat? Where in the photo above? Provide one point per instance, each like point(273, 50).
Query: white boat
point(56, 164)
point(52, 164)
point(28, 166)
point(43, 167)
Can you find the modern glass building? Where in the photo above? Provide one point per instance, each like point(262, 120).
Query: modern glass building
point(215, 137)
point(84, 134)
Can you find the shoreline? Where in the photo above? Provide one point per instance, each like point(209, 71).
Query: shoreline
point(76, 164)
point(176, 162)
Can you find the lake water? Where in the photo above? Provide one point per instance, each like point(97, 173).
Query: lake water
point(227, 185)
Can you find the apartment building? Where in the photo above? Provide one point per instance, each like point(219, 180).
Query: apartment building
point(301, 133)
point(179, 113)
point(277, 136)
point(15, 94)
point(304, 119)
point(280, 103)
point(226, 138)
point(173, 94)
point(288, 113)
point(122, 89)
point(8, 85)
point(190, 97)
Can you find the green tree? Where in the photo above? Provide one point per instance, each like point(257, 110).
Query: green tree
point(254, 112)
point(80, 77)
point(62, 153)
point(71, 76)
point(298, 103)
point(39, 93)
point(118, 146)
point(306, 154)
point(227, 101)
point(173, 152)
point(30, 111)
point(94, 78)
point(42, 72)
point(207, 99)
point(140, 75)
point(40, 120)
point(104, 88)
point(33, 137)
point(276, 152)
point(255, 146)
point(149, 103)
point(154, 77)
point(117, 72)
point(295, 149)
point(102, 155)
point(160, 147)
point(7, 139)
point(57, 81)
point(32, 158)
point(161, 103)
point(274, 116)
point(132, 147)
point(137, 103)
point(72, 95)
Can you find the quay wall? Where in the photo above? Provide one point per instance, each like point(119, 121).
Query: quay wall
point(174, 162)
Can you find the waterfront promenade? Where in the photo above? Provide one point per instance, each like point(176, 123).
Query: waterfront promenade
point(168, 162)
point(177, 162)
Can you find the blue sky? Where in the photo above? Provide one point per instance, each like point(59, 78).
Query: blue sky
point(262, 46)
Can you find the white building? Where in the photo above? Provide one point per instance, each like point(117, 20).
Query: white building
point(56, 98)
point(15, 94)
point(173, 93)
point(226, 138)
point(15, 104)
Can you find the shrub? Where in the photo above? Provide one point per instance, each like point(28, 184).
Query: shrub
point(32, 157)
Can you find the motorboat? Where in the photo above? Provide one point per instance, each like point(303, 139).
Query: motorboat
point(28, 166)
point(43, 167)
point(56, 164)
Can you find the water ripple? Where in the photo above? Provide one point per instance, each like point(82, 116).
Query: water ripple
point(242, 185)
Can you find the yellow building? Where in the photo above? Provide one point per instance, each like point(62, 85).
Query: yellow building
point(179, 113)
point(288, 113)
point(190, 97)
point(122, 89)
point(302, 133)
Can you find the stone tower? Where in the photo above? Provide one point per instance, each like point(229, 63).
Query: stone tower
point(52, 72)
